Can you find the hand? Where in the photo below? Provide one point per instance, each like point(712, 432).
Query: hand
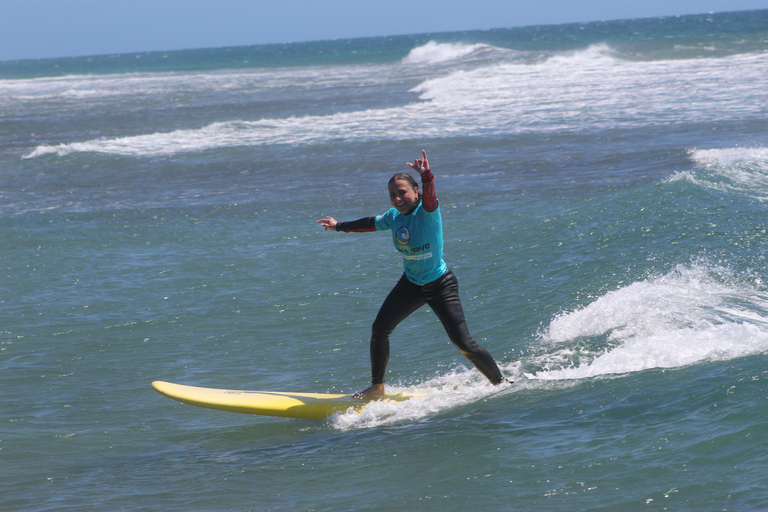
point(328, 223)
point(420, 165)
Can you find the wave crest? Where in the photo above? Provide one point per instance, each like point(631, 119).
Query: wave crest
point(599, 53)
point(739, 171)
point(435, 53)
point(728, 157)
point(690, 315)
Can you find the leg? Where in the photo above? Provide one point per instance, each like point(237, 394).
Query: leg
point(443, 298)
point(399, 304)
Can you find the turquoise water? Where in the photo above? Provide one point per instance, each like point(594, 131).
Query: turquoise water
point(603, 189)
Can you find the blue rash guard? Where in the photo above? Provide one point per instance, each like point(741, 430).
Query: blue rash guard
point(418, 236)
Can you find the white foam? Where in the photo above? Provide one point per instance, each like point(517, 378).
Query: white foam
point(114, 86)
point(690, 315)
point(432, 397)
point(595, 54)
point(740, 171)
point(433, 52)
point(216, 135)
point(730, 157)
point(565, 92)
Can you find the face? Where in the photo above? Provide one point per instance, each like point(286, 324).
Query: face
point(403, 195)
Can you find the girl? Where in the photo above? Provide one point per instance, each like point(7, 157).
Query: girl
point(417, 232)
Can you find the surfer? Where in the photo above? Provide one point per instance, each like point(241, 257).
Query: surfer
point(417, 232)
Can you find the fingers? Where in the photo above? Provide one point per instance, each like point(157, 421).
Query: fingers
point(420, 164)
point(327, 223)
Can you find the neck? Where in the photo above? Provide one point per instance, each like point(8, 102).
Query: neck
point(416, 205)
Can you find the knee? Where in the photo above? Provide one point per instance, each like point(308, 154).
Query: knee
point(470, 349)
point(381, 329)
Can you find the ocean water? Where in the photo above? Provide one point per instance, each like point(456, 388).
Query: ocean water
point(604, 189)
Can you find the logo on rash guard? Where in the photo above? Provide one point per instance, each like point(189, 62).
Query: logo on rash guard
point(403, 236)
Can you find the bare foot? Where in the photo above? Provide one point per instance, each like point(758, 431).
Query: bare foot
point(376, 390)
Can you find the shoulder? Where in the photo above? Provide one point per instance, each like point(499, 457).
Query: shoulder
point(385, 221)
point(430, 216)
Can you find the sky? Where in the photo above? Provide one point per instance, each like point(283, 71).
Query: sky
point(34, 29)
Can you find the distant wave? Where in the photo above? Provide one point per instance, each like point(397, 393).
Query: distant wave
point(567, 92)
point(690, 315)
point(741, 171)
point(599, 52)
point(434, 53)
point(294, 130)
point(728, 157)
point(155, 144)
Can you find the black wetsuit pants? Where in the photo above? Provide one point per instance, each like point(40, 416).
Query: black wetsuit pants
point(442, 296)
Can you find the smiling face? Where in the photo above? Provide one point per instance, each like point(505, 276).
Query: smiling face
point(403, 195)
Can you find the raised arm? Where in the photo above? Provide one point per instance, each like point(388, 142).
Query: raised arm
point(428, 195)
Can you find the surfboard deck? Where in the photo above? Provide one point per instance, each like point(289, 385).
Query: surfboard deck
point(267, 403)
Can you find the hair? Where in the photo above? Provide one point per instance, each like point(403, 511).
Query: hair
point(405, 177)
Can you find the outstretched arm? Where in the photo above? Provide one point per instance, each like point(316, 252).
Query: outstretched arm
point(428, 195)
point(358, 226)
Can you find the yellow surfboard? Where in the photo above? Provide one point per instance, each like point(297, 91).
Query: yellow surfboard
point(266, 403)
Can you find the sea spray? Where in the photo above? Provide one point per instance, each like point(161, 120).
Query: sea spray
point(692, 314)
